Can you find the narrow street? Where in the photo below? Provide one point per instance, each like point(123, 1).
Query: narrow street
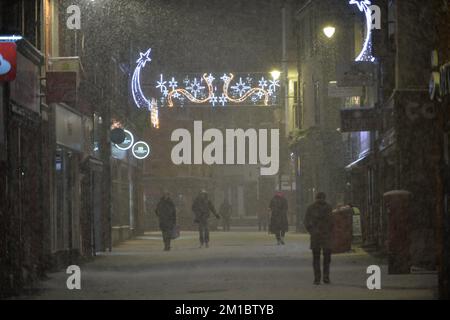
point(238, 265)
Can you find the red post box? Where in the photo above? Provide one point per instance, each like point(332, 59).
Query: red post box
point(341, 236)
point(397, 205)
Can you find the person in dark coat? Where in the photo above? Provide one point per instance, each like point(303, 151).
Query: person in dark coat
point(318, 222)
point(278, 218)
point(166, 212)
point(202, 207)
point(225, 213)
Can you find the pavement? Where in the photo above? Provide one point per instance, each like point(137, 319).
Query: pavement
point(242, 265)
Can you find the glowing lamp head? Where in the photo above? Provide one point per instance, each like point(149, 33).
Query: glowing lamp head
point(329, 31)
point(275, 74)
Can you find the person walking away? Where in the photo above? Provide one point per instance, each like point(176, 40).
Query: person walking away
point(202, 207)
point(278, 219)
point(166, 212)
point(225, 213)
point(263, 214)
point(319, 224)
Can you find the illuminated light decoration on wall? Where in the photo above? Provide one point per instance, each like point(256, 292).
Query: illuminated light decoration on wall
point(138, 96)
point(365, 54)
point(11, 38)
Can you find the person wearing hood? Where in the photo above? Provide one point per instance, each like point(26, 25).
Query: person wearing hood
point(319, 224)
point(278, 218)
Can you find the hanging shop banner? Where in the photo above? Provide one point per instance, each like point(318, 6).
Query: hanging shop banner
point(359, 119)
point(334, 91)
point(8, 61)
point(355, 74)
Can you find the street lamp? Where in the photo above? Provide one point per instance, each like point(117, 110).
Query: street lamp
point(275, 74)
point(329, 31)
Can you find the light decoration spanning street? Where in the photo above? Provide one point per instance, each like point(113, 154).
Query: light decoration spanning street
point(204, 91)
point(138, 96)
point(200, 90)
point(364, 6)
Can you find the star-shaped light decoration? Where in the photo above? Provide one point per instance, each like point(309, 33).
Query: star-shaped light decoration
point(144, 58)
point(362, 4)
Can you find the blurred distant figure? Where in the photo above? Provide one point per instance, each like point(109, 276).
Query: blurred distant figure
point(166, 212)
point(202, 207)
point(225, 213)
point(263, 217)
point(278, 218)
point(318, 222)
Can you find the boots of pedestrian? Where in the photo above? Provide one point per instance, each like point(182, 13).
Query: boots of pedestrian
point(206, 245)
point(326, 279)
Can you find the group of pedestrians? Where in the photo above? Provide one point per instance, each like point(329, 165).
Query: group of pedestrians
point(317, 221)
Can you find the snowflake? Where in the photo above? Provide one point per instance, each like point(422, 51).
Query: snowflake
point(176, 95)
point(223, 99)
point(260, 94)
point(262, 83)
point(225, 78)
point(173, 84)
point(165, 92)
point(161, 84)
point(195, 87)
point(273, 85)
point(362, 4)
point(210, 79)
point(240, 87)
point(213, 99)
point(270, 92)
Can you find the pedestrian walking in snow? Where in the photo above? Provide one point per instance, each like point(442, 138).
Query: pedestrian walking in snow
point(202, 208)
point(166, 212)
point(225, 213)
point(318, 222)
point(278, 218)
